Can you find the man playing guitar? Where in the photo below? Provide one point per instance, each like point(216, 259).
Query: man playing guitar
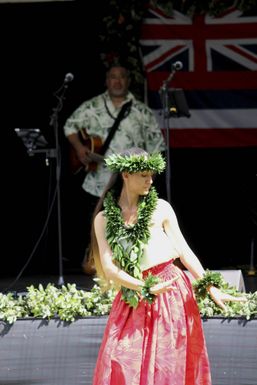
point(119, 121)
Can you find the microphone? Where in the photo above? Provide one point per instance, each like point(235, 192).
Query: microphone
point(68, 78)
point(177, 66)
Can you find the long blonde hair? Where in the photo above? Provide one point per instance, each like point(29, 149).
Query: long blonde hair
point(115, 184)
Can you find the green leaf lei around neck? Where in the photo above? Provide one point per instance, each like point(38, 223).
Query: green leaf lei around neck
point(127, 241)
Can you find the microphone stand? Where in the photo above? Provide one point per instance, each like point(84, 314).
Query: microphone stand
point(252, 271)
point(166, 114)
point(54, 122)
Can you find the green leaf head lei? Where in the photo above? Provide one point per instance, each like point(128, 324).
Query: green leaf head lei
point(135, 163)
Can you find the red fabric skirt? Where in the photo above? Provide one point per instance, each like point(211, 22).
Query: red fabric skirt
point(158, 344)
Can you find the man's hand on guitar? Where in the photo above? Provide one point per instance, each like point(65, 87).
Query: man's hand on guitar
point(83, 154)
point(87, 158)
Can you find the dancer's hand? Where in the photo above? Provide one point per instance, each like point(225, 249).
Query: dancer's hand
point(164, 286)
point(220, 298)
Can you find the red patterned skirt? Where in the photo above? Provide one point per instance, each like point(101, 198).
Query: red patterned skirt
point(158, 344)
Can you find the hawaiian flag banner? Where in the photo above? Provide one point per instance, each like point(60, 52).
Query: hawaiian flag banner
point(219, 75)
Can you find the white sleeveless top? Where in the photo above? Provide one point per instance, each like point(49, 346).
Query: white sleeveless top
point(159, 249)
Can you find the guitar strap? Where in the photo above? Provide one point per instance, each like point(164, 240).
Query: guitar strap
point(125, 108)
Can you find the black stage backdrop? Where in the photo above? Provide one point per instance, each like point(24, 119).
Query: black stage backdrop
point(213, 190)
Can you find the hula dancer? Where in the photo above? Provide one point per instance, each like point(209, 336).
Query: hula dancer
point(154, 333)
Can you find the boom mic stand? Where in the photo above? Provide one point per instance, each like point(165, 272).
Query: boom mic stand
point(166, 115)
point(54, 122)
point(252, 271)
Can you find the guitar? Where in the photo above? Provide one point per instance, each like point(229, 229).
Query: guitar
point(94, 143)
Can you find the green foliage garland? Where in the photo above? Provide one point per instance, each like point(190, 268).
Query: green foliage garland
point(210, 278)
point(127, 241)
point(150, 281)
point(68, 303)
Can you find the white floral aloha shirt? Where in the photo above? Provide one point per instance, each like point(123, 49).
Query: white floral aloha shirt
point(139, 128)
